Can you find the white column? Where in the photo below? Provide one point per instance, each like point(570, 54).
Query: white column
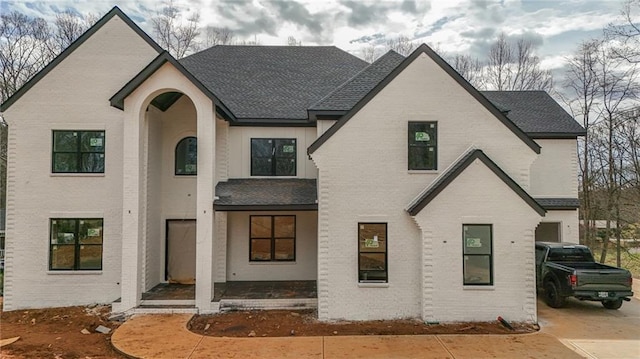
point(132, 209)
point(204, 207)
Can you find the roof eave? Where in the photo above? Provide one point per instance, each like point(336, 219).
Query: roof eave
point(556, 135)
point(115, 11)
point(265, 207)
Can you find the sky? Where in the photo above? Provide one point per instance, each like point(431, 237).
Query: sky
point(450, 26)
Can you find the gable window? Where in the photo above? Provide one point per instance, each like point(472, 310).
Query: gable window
point(187, 157)
point(273, 157)
point(272, 238)
point(423, 146)
point(78, 152)
point(76, 244)
point(477, 254)
point(372, 252)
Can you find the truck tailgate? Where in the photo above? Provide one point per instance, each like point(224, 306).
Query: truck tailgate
point(602, 280)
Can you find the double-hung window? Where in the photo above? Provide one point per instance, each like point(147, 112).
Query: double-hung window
point(273, 157)
point(272, 238)
point(78, 152)
point(423, 146)
point(372, 252)
point(75, 244)
point(477, 254)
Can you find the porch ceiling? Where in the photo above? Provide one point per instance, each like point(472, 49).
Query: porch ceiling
point(266, 194)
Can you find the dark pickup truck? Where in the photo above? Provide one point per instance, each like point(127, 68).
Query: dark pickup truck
point(569, 270)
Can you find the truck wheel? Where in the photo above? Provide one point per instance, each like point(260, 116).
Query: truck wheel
point(612, 304)
point(552, 296)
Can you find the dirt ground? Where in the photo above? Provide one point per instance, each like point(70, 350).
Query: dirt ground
point(56, 333)
point(281, 323)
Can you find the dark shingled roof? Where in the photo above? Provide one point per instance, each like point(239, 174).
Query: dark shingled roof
point(349, 93)
point(456, 169)
point(266, 194)
point(558, 203)
point(272, 82)
point(536, 113)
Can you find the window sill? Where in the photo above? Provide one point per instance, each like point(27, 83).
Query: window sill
point(413, 172)
point(478, 287)
point(372, 285)
point(74, 272)
point(272, 263)
point(76, 174)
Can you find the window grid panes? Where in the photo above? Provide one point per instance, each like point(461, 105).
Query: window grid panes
point(273, 157)
point(187, 157)
point(78, 152)
point(423, 146)
point(272, 238)
point(477, 254)
point(76, 244)
point(372, 252)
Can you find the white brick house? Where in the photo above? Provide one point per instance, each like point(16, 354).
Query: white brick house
point(395, 184)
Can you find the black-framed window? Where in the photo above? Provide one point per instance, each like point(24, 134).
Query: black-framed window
point(423, 146)
point(272, 238)
point(76, 244)
point(477, 254)
point(372, 252)
point(78, 152)
point(273, 156)
point(187, 157)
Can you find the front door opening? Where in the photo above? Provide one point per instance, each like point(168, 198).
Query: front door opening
point(180, 262)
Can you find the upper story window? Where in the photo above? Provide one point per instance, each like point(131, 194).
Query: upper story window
point(423, 145)
point(187, 157)
point(76, 244)
point(477, 254)
point(273, 157)
point(78, 152)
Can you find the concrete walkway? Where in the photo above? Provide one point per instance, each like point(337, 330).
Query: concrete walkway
point(166, 336)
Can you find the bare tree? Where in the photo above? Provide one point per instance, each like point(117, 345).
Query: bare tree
point(172, 34)
point(470, 68)
point(68, 27)
point(369, 53)
point(292, 41)
point(402, 45)
point(218, 36)
point(627, 34)
point(515, 67)
point(581, 84)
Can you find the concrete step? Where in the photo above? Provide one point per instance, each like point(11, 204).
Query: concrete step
point(267, 304)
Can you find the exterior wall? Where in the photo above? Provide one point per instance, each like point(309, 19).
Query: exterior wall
point(323, 125)
point(154, 253)
point(240, 148)
point(363, 176)
point(478, 196)
point(555, 172)
point(240, 269)
point(73, 96)
point(568, 219)
point(193, 106)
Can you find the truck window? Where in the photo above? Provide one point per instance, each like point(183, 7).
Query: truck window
point(570, 254)
point(539, 255)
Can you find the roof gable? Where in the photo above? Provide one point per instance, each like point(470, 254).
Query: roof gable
point(456, 169)
point(424, 49)
point(117, 100)
point(115, 11)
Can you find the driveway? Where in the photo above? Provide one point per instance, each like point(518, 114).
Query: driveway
point(595, 332)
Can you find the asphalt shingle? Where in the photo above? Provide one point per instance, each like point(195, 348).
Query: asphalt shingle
point(272, 82)
point(266, 192)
